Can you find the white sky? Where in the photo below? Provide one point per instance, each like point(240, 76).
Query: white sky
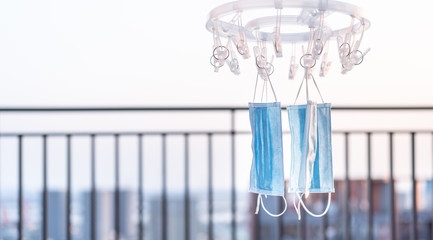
point(132, 52)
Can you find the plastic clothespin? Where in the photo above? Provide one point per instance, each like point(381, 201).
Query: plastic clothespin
point(358, 42)
point(278, 4)
point(278, 45)
point(217, 42)
point(346, 65)
point(339, 42)
point(346, 69)
point(325, 65)
point(366, 51)
point(262, 60)
point(317, 48)
point(307, 61)
point(242, 45)
point(344, 48)
point(318, 43)
point(233, 62)
point(261, 56)
point(276, 35)
point(234, 66)
point(215, 63)
point(344, 51)
point(357, 57)
point(219, 53)
point(293, 63)
point(240, 41)
point(293, 68)
point(268, 70)
point(348, 36)
point(264, 67)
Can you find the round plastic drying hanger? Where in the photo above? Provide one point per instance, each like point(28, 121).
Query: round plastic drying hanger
point(227, 29)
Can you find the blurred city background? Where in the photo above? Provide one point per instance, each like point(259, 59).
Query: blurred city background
point(160, 177)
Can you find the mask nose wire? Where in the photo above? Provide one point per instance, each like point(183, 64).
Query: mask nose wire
point(260, 202)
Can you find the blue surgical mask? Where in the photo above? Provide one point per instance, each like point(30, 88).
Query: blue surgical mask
point(267, 170)
point(311, 161)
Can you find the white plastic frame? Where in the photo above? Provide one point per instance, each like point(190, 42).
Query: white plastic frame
point(228, 29)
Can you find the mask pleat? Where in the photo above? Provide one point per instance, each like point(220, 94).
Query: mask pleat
point(267, 173)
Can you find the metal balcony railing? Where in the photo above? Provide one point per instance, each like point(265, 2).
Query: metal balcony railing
point(257, 227)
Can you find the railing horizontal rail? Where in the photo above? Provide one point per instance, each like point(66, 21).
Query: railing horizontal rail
point(93, 109)
point(60, 134)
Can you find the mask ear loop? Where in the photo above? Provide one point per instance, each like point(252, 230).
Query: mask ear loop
point(305, 78)
point(299, 91)
point(318, 90)
point(263, 91)
point(298, 209)
point(260, 202)
point(270, 83)
point(255, 88)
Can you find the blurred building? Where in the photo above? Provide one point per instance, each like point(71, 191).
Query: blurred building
point(105, 214)
point(176, 217)
point(359, 205)
point(56, 215)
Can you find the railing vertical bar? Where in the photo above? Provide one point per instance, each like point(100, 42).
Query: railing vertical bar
point(45, 190)
point(186, 200)
point(116, 187)
point(93, 188)
point(69, 187)
point(1, 208)
point(431, 217)
point(233, 177)
point(280, 220)
point(255, 226)
point(258, 224)
point(347, 217)
point(414, 233)
point(210, 189)
point(20, 187)
point(303, 226)
point(369, 188)
point(164, 226)
point(325, 219)
point(392, 191)
point(140, 188)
